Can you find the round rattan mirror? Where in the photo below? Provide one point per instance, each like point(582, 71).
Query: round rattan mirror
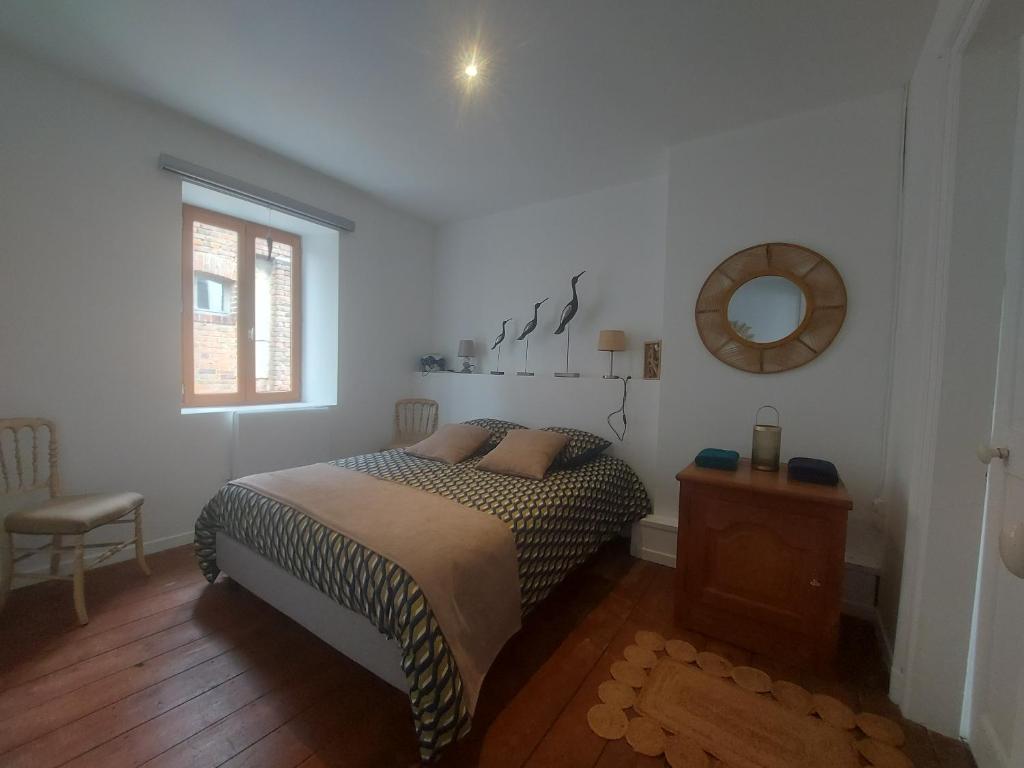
point(771, 308)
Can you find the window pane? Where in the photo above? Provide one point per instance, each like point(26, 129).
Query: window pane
point(273, 317)
point(214, 310)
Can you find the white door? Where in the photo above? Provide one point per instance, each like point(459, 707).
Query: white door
point(996, 711)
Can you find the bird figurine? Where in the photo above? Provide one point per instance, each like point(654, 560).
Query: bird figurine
point(527, 330)
point(497, 344)
point(570, 309)
point(532, 324)
point(501, 336)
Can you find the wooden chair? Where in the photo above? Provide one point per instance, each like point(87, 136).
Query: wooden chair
point(59, 516)
point(415, 419)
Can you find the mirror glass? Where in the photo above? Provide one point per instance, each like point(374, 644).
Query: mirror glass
point(767, 309)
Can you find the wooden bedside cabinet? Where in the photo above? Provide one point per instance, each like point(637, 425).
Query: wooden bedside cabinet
point(759, 561)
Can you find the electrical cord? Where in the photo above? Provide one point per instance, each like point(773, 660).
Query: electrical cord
point(622, 410)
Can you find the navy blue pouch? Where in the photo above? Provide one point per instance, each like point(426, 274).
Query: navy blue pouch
point(816, 471)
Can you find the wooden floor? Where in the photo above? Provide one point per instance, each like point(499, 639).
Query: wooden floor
point(172, 671)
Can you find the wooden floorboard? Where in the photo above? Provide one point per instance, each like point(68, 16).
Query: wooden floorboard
point(172, 671)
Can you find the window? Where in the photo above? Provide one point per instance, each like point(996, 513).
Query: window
point(213, 294)
point(241, 333)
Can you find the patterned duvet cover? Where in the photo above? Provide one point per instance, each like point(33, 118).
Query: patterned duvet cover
point(557, 522)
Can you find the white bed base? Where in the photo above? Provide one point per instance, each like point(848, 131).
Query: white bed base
point(351, 634)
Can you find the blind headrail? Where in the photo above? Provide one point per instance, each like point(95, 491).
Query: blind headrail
point(204, 177)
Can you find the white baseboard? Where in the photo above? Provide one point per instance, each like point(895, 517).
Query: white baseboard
point(654, 556)
point(654, 539)
point(886, 642)
point(128, 553)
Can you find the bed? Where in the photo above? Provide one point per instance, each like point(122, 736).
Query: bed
point(373, 610)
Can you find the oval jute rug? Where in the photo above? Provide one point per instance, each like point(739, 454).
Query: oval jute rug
point(607, 721)
point(644, 657)
point(689, 713)
point(629, 673)
point(882, 755)
point(793, 697)
point(684, 752)
point(645, 736)
point(680, 650)
point(834, 712)
point(881, 729)
point(750, 679)
point(714, 664)
point(617, 694)
point(652, 641)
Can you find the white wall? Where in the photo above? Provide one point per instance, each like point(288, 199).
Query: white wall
point(826, 179)
point(498, 266)
point(90, 297)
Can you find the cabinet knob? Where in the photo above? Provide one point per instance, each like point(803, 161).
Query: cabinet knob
point(815, 583)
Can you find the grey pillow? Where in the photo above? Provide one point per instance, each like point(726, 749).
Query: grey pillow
point(497, 428)
point(581, 448)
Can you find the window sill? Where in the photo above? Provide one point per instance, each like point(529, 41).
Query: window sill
point(269, 408)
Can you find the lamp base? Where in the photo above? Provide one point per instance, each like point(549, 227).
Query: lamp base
point(497, 373)
point(524, 373)
point(567, 375)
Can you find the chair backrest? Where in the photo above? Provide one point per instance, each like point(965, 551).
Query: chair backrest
point(19, 459)
point(415, 416)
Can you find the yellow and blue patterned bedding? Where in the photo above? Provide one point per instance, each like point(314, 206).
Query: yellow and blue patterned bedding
point(557, 522)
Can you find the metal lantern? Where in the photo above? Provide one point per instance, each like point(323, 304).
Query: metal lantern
point(764, 453)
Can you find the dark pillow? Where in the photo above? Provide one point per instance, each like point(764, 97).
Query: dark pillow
point(497, 428)
point(581, 448)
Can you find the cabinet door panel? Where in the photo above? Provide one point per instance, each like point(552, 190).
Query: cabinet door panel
point(764, 563)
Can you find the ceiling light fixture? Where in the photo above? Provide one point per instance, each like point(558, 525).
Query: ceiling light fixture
point(471, 70)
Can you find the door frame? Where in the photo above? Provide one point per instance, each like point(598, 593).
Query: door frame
point(952, 30)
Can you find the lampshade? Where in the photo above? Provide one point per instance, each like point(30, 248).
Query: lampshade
point(467, 348)
point(611, 341)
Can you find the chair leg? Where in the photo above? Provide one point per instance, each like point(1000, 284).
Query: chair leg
point(79, 580)
point(55, 555)
point(7, 567)
point(140, 554)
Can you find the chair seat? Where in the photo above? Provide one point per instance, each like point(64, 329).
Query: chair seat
point(72, 514)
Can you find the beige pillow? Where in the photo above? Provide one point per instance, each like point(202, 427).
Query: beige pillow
point(451, 443)
point(524, 453)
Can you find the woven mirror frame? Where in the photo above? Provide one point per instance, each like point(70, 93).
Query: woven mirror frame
point(824, 294)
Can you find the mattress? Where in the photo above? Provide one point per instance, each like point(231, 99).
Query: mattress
point(557, 523)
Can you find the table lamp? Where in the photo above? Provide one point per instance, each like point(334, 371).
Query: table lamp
point(611, 341)
point(467, 350)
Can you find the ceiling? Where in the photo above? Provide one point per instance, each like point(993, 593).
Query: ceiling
point(573, 94)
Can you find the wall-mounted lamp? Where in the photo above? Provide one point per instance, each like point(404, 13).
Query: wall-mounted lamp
point(611, 341)
point(467, 350)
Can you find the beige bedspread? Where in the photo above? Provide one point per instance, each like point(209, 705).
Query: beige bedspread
point(464, 560)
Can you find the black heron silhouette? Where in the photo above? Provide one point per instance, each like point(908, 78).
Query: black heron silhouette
point(497, 343)
point(532, 324)
point(501, 336)
point(527, 330)
point(569, 310)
